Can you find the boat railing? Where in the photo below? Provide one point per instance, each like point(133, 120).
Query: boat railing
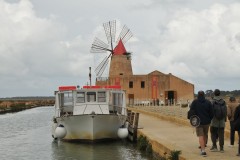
point(119, 109)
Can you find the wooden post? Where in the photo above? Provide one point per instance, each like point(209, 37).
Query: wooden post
point(132, 116)
point(133, 126)
point(128, 115)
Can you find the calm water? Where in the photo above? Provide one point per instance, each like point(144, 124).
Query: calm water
point(26, 135)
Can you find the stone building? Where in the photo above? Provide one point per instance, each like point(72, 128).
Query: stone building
point(154, 87)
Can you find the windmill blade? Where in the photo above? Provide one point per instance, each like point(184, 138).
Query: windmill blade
point(101, 67)
point(100, 72)
point(110, 31)
point(125, 34)
point(99, 46)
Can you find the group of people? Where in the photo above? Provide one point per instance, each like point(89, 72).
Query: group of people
point(213, 114)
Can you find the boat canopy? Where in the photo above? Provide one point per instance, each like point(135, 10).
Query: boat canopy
point(67, 88)
point(106, 87)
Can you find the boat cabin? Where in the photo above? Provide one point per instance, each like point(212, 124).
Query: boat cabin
point(89, 100)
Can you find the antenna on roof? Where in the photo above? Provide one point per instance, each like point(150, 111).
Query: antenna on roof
point(90, 75)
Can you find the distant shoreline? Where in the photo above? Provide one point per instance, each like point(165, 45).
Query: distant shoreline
point(29, 98)
point(15, 105)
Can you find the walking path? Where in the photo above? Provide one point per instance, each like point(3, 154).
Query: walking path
point(168, 133)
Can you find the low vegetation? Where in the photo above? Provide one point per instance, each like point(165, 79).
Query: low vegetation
point(145, 146)
point(15, 105)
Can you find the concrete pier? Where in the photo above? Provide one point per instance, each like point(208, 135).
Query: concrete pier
point(167, 133)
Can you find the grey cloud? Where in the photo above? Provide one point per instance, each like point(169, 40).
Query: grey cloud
point(43, 45)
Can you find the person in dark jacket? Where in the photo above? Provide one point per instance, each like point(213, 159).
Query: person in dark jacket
point(203, 109)
point(217, 126)
point(236, 125)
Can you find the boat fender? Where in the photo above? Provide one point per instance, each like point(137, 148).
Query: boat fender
point(60, 132)
point(122, 133)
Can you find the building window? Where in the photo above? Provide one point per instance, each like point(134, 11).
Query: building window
point(142, 84)
point(131, 84)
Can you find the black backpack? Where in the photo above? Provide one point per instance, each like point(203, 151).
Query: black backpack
point(219, 109)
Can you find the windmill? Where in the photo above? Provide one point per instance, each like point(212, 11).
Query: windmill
point(113, 46)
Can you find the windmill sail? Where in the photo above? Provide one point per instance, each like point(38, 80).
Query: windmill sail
point(125, 34)
point(101, 67)
point(110, 31)
point(99, 46)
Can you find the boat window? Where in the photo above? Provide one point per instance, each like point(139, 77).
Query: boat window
point(80, 97)
point(91, 96)
point(120, 103)
point(117, 102)
point(66, 99)
point(101, 96)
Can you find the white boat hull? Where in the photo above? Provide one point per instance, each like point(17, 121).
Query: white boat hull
point(90, 127)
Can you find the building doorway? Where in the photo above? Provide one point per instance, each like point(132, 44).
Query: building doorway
point(131, 99)
point(170, 97)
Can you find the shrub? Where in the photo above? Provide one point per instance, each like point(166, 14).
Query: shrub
point(144, 145)
point(174, 155)
point(17, 106)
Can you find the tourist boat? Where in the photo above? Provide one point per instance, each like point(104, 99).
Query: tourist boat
point(91, 113)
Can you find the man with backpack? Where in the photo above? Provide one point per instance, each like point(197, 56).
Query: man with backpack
point(217, 125)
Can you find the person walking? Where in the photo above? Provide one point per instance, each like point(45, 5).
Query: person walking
point(217, 125)
point(232, 105)
point(236, 125)
point(203, 109)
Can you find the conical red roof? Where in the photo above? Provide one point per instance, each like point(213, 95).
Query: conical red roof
point(119, 49)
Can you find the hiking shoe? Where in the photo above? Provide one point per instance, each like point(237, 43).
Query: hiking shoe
point(204, 154)
point(231, 146)
point(213, 149)
point(221, 149)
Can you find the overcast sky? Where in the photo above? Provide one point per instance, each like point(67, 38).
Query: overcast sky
point(46, 43)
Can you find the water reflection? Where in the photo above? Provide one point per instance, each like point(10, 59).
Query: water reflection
point(119, 150)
